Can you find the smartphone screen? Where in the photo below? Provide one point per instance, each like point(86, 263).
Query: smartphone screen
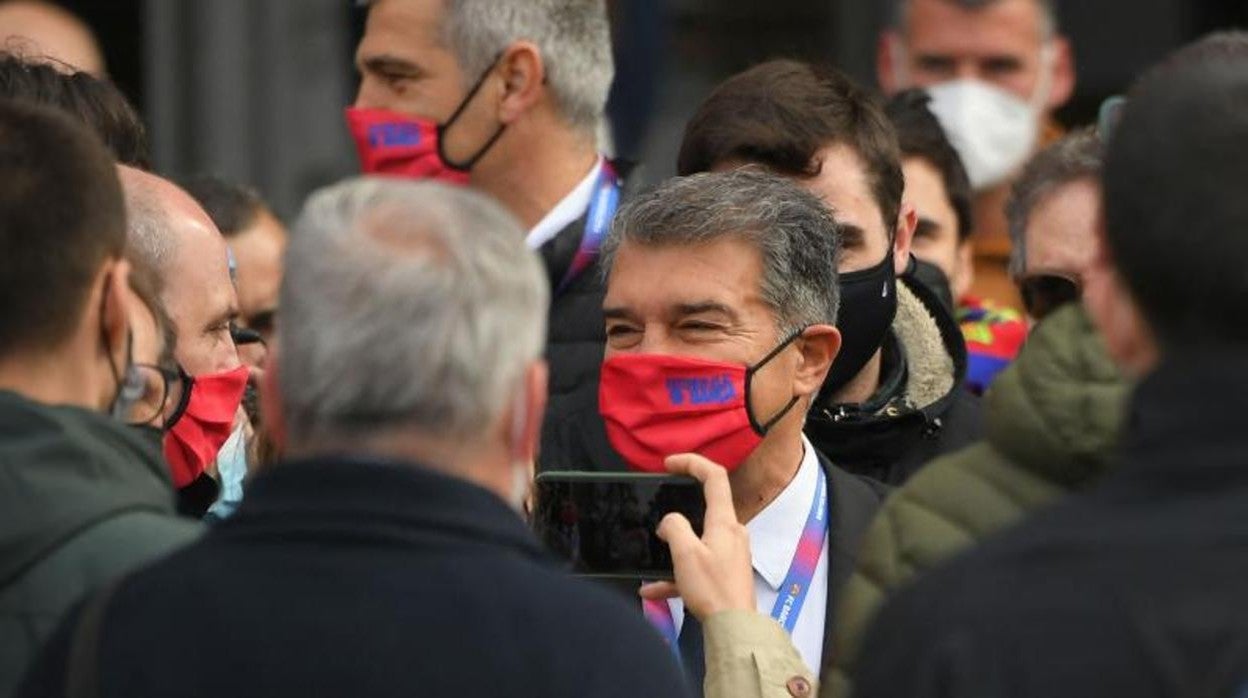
point(604, 523)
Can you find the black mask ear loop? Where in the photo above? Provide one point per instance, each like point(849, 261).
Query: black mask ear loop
point(119, 380)
point(762, 429)
point(442, 128)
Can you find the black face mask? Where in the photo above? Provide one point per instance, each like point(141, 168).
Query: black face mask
point(868, 306)
point(934, 279)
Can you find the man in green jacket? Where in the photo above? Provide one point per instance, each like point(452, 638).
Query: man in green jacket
point(1052, 424)
point(84, 496)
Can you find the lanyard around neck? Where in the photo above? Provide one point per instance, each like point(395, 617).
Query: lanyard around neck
point(597, 223)
point(796, 583)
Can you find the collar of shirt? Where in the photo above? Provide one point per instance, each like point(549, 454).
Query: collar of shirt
point(776, 530)
point(570, 208)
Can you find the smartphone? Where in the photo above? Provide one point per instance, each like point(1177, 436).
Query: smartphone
point(604, 524)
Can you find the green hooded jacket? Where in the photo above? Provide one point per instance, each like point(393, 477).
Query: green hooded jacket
point(83, 500)
point(1052, 427)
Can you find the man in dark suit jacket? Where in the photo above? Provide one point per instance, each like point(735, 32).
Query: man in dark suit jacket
point(721, 313)
point(516, 100)
point(388, 558)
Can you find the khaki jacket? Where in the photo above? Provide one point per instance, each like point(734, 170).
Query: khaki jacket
point(748, 655)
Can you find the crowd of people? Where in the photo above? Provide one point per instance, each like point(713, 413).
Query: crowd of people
point(971, 427)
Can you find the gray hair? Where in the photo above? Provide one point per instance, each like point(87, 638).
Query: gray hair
point(405, 305)
point(794, 232)
point(1076, 157)
point(574, 37)
point(1048, 8)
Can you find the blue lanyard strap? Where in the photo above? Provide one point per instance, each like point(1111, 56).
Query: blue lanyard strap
point(805, 560)
point(597, 223)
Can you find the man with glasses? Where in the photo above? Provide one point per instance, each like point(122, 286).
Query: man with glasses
point(207, 448)
point(1052, 213)
point(86, 498)
point(257, 240)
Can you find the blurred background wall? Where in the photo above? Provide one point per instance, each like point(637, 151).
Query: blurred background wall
point(254, 89)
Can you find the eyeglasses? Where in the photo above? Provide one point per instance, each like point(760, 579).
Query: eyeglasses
point(1044, 293)
point(156, 394)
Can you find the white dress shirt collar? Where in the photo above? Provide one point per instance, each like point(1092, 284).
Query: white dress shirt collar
point(775, 531)
point(570, 208)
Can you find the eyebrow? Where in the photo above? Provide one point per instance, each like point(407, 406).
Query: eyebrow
point(385, 63)
point(683, 309)
point(617, 313)
point(852, 234)
point(230, 315)
point(926, 225)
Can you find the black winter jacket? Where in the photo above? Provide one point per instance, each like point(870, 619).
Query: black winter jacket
point(927, 412)
point(573, 434)
point(349, 577)
point(1135, 588)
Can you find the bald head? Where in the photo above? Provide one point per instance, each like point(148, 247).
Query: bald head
point(171, 234)
point(41, 30)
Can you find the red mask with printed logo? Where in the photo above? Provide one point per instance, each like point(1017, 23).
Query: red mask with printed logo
point(195, 439)
point(656, 405)
point(397, 145)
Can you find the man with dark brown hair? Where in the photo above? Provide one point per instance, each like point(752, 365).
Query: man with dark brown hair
point(894, 397)
point(85, 497)
point(93, 101)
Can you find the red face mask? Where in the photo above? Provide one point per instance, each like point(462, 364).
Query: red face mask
point(655, 406)
point(194, 440)
point(398, 145)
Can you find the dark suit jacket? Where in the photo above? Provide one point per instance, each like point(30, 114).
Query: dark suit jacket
point(854, 501)
point(573, 436)
point(363, 578)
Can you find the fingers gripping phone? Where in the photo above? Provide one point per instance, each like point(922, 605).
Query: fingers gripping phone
point(604, 523)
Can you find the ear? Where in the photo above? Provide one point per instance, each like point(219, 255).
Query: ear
point(1063, 72)
point(271, 411)
point(1113, 310)
point(887, 56)
point(964, 271)
point(114, 308)
point(526, 425)
point(524, 80)
point(903, 237)
point(818, 347)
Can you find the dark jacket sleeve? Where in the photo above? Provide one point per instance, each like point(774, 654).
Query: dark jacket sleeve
point(915, 649)
point(46, 677)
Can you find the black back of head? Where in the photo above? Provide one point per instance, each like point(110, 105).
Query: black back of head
point(781, 113)
point(920, 135)
point(61, 217)
point(1176, 211)
point(94, 102)
point(232, 207)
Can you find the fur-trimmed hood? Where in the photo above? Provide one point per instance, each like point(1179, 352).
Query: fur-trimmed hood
point(934, 414)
